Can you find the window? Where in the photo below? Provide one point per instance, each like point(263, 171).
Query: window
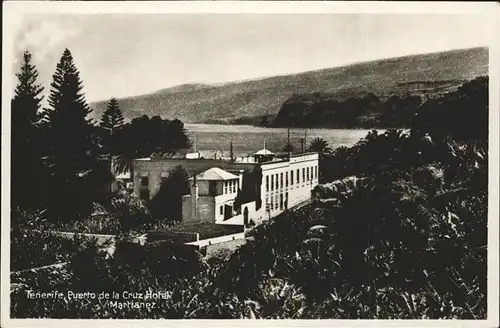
point(212, 188)
point(316, 172)
point(144, 181)
point(225, 187)
point(267, 182)
point(277, 201)
point(272, 183)
point(234, 187)
point(286, 179)
point(144, 194)
point(291, 177)
point(221, 210)
point(281, 201)
point(303, 174)
point(276, 182)
point(272, 202)
point(281, 180)
point(298, 175)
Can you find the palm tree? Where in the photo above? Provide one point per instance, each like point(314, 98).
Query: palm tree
point(320, 146)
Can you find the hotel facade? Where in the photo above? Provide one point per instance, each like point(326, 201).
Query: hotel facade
point(283, 182)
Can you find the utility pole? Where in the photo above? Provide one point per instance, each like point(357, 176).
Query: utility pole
point(305, 139)
point(194, 143)
point(231, 151)
point(288, 145)
point(111, 166)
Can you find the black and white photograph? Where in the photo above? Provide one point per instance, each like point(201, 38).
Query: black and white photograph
point(268, 161)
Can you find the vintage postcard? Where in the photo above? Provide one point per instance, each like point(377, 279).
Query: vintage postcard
point(207, 163)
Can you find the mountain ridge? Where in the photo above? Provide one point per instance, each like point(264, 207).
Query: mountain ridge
point(229, 101)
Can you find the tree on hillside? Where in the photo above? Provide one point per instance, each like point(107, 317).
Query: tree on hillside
point(72, 148)
point(26, 165)
point(320, 145)
point(465, 112)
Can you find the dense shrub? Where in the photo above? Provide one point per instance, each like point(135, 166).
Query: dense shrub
point(126, 214)
point(32, 246)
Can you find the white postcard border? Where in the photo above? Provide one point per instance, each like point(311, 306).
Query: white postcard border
point(12, 13)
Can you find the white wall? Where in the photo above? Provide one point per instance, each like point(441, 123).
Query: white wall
point(297, 192)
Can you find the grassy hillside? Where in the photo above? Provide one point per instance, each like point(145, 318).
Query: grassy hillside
point(199, 103)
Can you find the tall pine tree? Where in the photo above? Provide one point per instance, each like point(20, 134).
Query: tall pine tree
point(27, 169)
point(73, 151)
point(112, 119)
point(111, 124)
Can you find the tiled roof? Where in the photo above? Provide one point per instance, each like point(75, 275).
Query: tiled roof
point(215, 173)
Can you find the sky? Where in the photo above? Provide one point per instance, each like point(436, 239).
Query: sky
point(120, 55)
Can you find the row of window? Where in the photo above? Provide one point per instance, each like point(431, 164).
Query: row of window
point(278, 202)
point(308, 173)
point(230, 187)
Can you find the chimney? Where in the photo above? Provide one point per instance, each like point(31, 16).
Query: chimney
point(288, 145)
point(305, 139)
point(240, 179)
point(194, 199)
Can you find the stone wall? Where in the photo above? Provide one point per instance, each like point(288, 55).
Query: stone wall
point(228, 247)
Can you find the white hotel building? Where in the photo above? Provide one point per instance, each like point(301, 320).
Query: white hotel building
point(285, 182)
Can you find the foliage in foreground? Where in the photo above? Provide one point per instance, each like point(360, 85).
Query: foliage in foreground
point(31, 247)
point(415, 249)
